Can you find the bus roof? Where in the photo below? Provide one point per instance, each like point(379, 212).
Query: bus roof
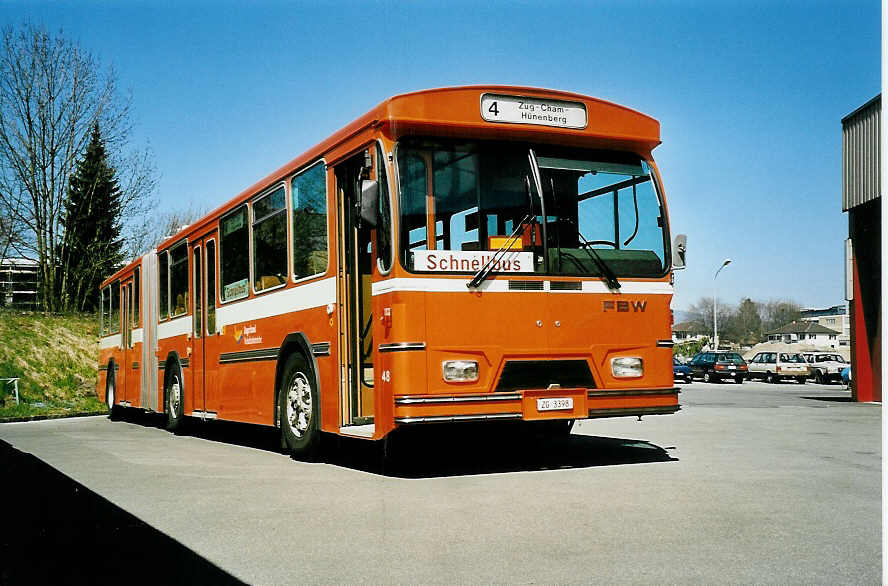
point(456, 110)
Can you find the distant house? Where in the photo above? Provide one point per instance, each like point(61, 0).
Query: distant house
point(685, 332)
point(807, 332)
point(18, 283)
point(834, 318)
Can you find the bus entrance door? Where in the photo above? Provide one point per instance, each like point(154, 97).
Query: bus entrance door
point(356, 259)
point(205, 341)
point(126, 376)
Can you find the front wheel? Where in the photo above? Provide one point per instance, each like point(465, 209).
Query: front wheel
point(175, 405)
point(298, 408)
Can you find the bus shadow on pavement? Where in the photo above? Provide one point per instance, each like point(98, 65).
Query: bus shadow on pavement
point(56, 531)
point(453, 451)
point(440, 450)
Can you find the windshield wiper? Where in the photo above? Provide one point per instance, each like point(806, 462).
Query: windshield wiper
point(609, 276)
point(485, 271)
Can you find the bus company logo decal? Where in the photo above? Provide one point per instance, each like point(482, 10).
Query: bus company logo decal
point(247, 335)
point(623, 306)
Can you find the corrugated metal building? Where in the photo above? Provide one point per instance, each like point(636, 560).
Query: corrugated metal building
point(861, 198)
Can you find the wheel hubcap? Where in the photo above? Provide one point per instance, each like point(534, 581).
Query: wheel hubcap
point(299, 404)
point(175, 397)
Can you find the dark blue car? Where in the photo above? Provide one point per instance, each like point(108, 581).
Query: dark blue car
point(680, 371)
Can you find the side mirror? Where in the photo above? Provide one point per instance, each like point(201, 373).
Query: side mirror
point(368, 209)
point(679, 248)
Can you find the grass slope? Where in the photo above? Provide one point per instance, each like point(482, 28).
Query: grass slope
point(54, 357)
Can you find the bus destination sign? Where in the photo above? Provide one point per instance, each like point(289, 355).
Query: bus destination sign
point(512, 261)
point(521, 110)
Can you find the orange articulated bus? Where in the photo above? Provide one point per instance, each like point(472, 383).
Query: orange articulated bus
point(457, 254)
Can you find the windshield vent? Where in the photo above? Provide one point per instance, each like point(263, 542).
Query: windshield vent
point(541, 374)
point(525, 285)
point(566, 286)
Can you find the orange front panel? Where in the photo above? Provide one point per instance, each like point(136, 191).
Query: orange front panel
point(625, 402)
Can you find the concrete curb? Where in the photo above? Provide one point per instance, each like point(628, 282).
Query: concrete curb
point(55, 416)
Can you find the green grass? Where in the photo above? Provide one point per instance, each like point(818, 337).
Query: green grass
point(54, 357)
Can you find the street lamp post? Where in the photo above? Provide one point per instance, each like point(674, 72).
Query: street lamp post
point(715, 302)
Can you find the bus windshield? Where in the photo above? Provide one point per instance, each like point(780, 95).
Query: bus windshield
point(461, 201)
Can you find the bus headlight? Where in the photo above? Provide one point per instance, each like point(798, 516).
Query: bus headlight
point(460, 371)
point(627, 366)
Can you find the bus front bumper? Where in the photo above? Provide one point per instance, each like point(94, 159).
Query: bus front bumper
point(536, 405)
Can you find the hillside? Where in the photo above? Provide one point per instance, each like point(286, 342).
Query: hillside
point(55, 358)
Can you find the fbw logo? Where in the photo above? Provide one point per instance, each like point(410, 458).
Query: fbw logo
point(623, 306)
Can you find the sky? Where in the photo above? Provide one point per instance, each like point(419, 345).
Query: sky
point(749, 95)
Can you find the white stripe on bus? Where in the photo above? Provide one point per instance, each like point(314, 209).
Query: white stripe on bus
point(175, 327)
point(110, 342)
point(502, 286)
point(306, 296)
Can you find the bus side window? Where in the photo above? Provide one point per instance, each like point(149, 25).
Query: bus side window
point(308, 191)
point(179, 280)
point(234, 255)
point(114, 309)
point(136, 295)
point(163, 283)
point(103, 304)
point(384, 226)
point(270, 240)
point(211, 287)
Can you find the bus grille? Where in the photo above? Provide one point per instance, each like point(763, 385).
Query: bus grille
point(539, 374)
point(525, 285)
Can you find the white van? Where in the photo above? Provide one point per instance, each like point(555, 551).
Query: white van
point(773, 366)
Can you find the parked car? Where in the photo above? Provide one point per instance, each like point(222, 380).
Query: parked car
point(774, 366)
point(680, 371)
point(714, 366)
point(825, 367)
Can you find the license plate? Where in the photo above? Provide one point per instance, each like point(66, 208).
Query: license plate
point(732, 368)
point(555, 404)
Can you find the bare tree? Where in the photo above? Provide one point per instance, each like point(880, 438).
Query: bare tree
point(161, 226)
point(52, 92)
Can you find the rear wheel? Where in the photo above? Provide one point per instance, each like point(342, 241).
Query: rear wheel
point(708, 377)
point(739, 380)
point(770, 378)
point(175, 406)
point(818, 377)
point(801, 379)
point(298, 408)
point(111, 394)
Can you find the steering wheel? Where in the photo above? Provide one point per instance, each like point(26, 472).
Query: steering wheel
point(591, 243)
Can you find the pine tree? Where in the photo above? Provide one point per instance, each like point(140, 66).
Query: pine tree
point(92, 246)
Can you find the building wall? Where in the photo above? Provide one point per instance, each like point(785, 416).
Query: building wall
point(861, 198)
point(865, 229)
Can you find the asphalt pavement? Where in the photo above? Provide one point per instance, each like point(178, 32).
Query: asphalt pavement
point(751, 483)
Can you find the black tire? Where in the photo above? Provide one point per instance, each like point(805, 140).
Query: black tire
point(299, 408)
point(708, 377)
point(111, 394)
point(818, 377)
point(770, 378)
point(739, 380)
point(174, 398)
point(801, 379)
